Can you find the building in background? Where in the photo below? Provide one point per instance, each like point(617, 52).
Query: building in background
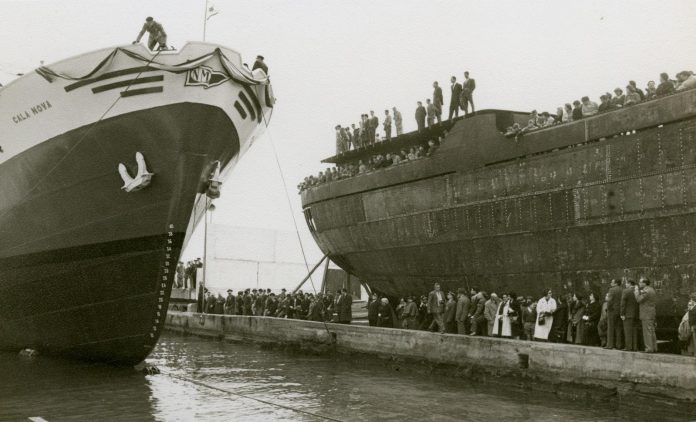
point(243, 257)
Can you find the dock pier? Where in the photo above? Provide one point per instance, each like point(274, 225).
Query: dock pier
point(624, 374)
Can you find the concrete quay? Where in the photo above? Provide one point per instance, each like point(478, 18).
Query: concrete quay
point(548, 366)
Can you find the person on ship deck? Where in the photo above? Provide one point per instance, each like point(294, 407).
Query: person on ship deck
point(156, 34)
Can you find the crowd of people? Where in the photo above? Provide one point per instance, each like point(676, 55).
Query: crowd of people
point(263, 302)
point(624, 318)
point(584, 107)
point(376, 162)
point(366, 133)
point(186, 275)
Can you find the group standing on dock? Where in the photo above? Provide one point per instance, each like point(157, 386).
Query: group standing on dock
point(624, 320)
point(263, 302)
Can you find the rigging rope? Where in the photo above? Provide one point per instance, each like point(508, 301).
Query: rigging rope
point(222, 390)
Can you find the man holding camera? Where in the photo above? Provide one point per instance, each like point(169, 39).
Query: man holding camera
point(645, 296)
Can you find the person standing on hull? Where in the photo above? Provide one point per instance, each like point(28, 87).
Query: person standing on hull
point(438, 101)
point(456, 89)
point(420, 116)
point(260, 64)
point(468, 88)
point(387, 125)
point(546, 306)
point(398, 122)
point(436, 308)
point(156, 34)
point(645, 296)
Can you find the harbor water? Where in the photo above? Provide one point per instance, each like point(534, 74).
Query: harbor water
point(209, 380)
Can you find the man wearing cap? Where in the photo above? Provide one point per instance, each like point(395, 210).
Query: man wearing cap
point(259, 64)
point(156, 34)
point(230, 303)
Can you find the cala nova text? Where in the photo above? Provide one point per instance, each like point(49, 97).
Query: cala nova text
point(32, 111)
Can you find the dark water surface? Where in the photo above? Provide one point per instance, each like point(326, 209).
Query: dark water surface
point(202, 380)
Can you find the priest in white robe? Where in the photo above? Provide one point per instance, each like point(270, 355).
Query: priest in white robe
point(546, 306)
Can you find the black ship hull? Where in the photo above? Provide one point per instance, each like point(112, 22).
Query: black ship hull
point(86, 268)
point(569, 207)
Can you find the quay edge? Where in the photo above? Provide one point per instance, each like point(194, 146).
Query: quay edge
point(629, 374)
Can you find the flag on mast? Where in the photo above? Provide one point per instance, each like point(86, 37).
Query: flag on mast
point(210, 10)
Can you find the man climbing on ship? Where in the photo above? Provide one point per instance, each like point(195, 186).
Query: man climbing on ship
point(156, 34)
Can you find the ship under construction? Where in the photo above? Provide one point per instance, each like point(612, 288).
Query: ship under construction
point(570, 207)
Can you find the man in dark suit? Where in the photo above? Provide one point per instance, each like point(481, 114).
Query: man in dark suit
point(248, 301)
point(468, 88)
point(614, 325)
point(420, 116)
point(629, 313)
point(462, 314)
point(373, 310)
point(456, 89)
point(438, 101)
point(260, 64)
point(374, 124)
point(436, 307)
point(646, 298)
point(344, 306)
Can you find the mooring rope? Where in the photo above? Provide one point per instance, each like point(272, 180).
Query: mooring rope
point(269, 403)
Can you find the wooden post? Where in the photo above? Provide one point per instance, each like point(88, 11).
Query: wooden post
point(304, 280)
point(323, 278)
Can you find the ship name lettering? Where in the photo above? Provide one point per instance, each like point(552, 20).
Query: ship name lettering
point(20, 117)
point(35, 110)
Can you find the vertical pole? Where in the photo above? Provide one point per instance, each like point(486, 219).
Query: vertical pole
point(323, 279)
point(205, 17)
point(205, 246)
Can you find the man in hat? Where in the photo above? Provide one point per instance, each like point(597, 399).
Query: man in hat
point(156, 34)
point(230, 303)
point(259, 64)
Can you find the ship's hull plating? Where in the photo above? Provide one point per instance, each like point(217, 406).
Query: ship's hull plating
point(570, 219)
point(85, 268)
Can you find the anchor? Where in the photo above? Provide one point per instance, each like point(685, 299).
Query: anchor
point(142, 178)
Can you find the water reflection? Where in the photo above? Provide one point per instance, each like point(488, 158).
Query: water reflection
point(202, 380)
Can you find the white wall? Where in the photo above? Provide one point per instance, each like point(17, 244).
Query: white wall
point(243, 257)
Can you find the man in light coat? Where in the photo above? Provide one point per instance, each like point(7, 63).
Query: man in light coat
point(646, 298)
point(436, 307)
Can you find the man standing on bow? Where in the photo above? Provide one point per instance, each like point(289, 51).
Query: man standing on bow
point(156, 34)
point(260, 64)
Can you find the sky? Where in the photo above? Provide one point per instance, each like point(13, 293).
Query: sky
point(331, 61)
